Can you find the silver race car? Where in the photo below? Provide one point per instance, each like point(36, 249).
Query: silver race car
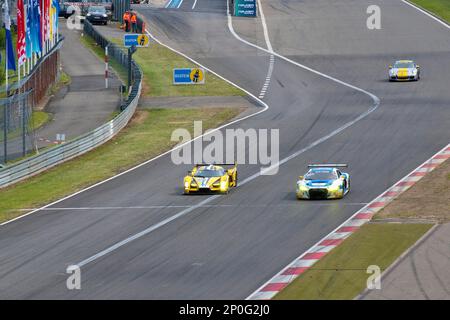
point(404, 70)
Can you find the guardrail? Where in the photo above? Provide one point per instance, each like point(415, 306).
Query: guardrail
point(74, 148)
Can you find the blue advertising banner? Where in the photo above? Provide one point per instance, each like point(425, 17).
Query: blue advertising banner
point(189, 76)
point(137, 40)
point(245, 8)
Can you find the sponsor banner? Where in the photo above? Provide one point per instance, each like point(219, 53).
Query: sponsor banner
point(245, 8)
point(189, 76)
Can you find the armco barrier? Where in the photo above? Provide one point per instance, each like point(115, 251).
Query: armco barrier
point(59, 154)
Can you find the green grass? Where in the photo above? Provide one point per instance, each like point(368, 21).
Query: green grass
point(147, 136)
point(157, 63)
point(438, 7)
point(64, 80)
point(39, 119)
point(341, 274)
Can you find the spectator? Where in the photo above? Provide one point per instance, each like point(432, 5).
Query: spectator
point(126, 21)
point(134, 22)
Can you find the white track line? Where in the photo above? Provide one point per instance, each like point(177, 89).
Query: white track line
point(195, 3)
point(264, 25)
point(427, 13)
point(268, 78)
point(168, 3)
point(179, 5)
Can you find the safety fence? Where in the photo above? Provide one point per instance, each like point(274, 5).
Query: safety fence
point(17, 123)
point(74, 148)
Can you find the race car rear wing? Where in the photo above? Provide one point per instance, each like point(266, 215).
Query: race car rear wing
point(328, 165)
point(215, 164)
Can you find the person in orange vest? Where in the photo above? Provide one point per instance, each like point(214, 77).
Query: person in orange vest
point(134, 22)
point(126, 21)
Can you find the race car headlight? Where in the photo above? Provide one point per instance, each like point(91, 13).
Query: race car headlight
point(414, 72)
point(216, 184)
point(223, 185)
point(334, 186)
point(392, 72)
point(186, 185)
point(301, 186)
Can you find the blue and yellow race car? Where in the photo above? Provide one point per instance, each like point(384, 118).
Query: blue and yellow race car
point(323, 181)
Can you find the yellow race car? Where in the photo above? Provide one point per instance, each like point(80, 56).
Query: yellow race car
point(210, 178)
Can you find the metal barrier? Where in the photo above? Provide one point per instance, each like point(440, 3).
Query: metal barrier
point(52, 157)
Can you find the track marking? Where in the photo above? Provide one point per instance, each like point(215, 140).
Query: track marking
point(268, 78)
point(270, 49)
point(427, 13)
point(142, 233)
point(233, 32)
point(195, 3)
point(168, 4)
point(179, 5)
point(264, 25)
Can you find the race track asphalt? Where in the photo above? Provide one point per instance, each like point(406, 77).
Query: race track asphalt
point(230, 245)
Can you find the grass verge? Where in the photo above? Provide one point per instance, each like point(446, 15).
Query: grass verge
point(39, 119)
point(439, 7)
point(64, 80)
point(147, 136)
point(427, 200)
point(341, 274)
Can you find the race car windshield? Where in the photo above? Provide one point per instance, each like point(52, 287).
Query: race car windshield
point(209, 173)
point(400, 65)
point(320, 175)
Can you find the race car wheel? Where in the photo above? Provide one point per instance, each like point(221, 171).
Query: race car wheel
point(236, 180)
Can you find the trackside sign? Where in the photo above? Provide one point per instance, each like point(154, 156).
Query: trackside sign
point(189, 76)
point(245, 8)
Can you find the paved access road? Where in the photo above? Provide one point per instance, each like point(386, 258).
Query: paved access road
point(228, 246)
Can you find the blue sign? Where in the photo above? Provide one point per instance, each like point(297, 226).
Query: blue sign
point(189, 76)
point(137, 40)
point(245, 8)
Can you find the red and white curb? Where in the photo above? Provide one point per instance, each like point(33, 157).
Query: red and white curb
point(337, 236)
